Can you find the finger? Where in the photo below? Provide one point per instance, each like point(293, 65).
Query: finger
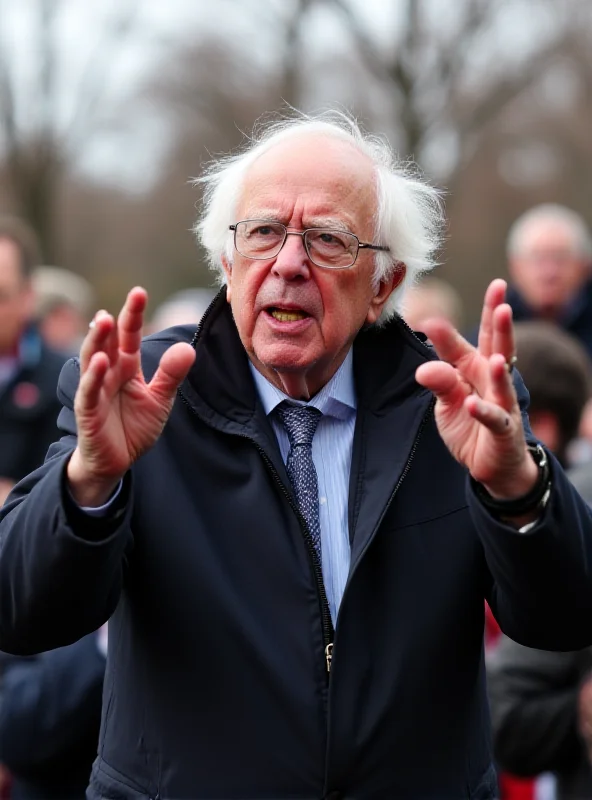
point(96, 338)
point(494, 417)
point(494, 296)
point(502, 388)
point(172, 370)
point(443, 380)
point(454, 348)
point(503, 332)
point(89, 389)
point(130, 322)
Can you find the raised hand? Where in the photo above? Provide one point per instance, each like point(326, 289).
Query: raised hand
point(477, 411)
point(119, 416)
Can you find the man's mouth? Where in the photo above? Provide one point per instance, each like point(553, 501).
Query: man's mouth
point(282, 315)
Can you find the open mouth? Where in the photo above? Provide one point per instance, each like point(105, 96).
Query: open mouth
point(282, 315)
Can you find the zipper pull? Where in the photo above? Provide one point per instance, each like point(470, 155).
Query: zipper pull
point(329, 655)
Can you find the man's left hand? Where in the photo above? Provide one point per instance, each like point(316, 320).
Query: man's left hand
point(477, 410)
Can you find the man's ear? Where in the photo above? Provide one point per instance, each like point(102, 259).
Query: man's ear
point(228, 272)
point(384, 291)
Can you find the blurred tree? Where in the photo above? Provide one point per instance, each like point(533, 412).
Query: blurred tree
point(491, 99)
point(39, 143)
point(451, 70)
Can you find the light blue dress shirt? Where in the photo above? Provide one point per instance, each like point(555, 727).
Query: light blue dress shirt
point(331, 453)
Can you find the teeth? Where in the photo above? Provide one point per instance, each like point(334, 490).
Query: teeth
point(287, 316)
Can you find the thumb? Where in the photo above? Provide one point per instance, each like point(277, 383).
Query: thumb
point(172, 370)
point(443, 380)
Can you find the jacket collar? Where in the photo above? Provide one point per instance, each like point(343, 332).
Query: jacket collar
point(220, 385)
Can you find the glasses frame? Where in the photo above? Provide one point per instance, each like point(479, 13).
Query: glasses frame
point(287, 232)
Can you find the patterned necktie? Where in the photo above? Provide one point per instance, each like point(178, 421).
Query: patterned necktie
point(301, 423)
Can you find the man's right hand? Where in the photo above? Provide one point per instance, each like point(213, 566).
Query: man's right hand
point(119, 416)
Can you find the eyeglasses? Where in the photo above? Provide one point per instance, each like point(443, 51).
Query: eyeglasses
point(260, 239)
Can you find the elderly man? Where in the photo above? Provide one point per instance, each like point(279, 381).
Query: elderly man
point(549, 261)
point(292, 514)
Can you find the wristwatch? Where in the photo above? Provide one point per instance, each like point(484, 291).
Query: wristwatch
point(534, 500)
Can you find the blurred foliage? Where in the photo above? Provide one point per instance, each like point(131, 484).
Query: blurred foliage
point(493, 100)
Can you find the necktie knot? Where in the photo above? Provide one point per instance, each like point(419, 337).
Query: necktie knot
point(300, 422)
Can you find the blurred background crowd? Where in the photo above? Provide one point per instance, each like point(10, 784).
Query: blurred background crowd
point(107, 111)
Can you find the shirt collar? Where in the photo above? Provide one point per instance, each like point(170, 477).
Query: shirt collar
point(337, 398)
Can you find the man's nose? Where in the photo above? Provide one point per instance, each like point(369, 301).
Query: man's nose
point(292, 261)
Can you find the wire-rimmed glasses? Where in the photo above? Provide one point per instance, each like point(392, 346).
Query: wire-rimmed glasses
point(261, 239)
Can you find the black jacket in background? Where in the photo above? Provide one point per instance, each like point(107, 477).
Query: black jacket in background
point(216, 683)
point(50, 712)
point(534, 697)
point(29, 409)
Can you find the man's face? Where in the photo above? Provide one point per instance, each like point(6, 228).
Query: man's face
point(548, 272)
point(16, 301)
point(308, 182)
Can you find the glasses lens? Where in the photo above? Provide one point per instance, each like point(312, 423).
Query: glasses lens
point(332, 249)
point(257, 238)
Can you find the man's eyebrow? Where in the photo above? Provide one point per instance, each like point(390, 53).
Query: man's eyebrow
point(313, 222)
point(329, 222)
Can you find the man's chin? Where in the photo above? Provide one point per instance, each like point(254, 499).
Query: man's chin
point(285, 357)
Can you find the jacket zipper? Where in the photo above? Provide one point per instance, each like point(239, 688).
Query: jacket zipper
point(326, 622)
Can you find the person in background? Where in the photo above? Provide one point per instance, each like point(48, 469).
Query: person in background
point(549, 253)
point(29, 369)
point(541, 702)
point(50, 714)
point(64, 305)
point(291, 514)
point(184, 307)
point(432, 297)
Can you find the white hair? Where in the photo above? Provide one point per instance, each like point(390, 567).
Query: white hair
point(409, 216)
point(550, 212)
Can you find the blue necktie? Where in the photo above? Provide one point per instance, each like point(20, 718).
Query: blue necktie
point(301, 423)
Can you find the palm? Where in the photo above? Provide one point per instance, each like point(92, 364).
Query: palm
point(120, 416)
point(470, 442)
point(127, 422)
point(477, 412)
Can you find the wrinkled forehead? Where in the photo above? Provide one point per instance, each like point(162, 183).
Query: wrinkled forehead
point(312, 165)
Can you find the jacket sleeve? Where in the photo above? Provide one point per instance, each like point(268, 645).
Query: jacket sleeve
point(533, 696)
point(50, 704)
point(540, 582)
point(61, 571)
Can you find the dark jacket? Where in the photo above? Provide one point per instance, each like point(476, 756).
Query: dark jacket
point(29, 409)
point(534, 697)
point(576, 318)
point(217, 683)
point(50, 713)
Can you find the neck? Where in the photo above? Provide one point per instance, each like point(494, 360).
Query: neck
point(298, 384)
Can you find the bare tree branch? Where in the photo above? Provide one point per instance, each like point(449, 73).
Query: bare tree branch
point(91, 89)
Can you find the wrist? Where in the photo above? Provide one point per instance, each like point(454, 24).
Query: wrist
point(87, 489)
point(527, 507)
point(521, 483)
